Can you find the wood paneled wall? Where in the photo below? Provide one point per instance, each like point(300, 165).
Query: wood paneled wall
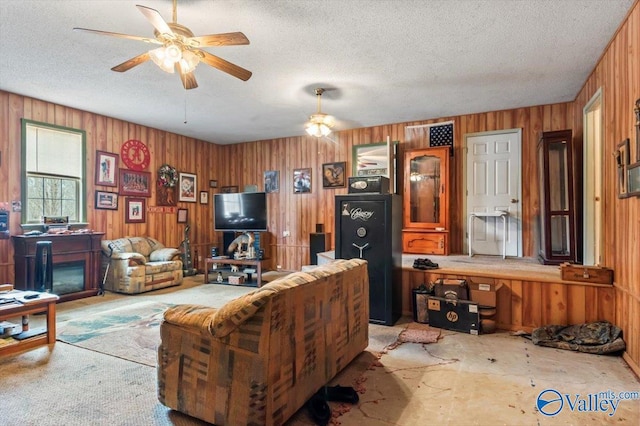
point(244, 164)
point(107, 134)
point(525, 304)
point(618, 74)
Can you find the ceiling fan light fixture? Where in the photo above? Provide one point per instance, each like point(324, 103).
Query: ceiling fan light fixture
point(173, 53)
point(189, 61)
point(319, 124)
point(159, 57)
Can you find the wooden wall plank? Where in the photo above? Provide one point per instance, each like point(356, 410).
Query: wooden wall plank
point(576, 304)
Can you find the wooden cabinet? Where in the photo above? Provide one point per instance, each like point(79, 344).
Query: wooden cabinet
point(426, 201)
point(557, 219)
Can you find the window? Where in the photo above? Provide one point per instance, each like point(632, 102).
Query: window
point(53, 172)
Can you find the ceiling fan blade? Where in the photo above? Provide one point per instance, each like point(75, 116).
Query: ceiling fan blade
point(225, 66)
point(127, 36)
point(156, 20)
point(127, 65)
point(226, 39)
point(188, 79)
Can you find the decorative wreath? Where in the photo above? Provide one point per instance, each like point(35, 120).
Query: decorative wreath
point(167, 176)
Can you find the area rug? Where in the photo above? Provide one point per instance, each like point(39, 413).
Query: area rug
point(131, 332)
point(416, 333)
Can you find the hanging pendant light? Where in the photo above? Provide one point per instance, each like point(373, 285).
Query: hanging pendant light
point(319, 124)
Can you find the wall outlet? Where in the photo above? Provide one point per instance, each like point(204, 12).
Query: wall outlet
point(286, 233)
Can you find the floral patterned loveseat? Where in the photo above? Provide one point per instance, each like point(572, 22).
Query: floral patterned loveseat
point(138, 264)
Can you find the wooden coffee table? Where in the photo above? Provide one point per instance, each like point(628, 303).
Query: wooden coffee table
point(45, 302)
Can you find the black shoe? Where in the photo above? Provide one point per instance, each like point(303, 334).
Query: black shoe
point(341, 394)
point(319, 410)
point(424, 264)
point(430, 265)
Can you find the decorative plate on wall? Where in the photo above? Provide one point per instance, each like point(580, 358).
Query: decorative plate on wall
point(135, 155)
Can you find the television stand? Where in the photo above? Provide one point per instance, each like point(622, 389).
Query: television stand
point(226, 263)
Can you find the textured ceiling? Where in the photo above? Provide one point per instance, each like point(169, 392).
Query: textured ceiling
point(387, 61)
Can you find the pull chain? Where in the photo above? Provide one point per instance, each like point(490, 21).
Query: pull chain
point(185, 106)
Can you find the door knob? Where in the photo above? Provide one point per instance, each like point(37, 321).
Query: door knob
point(513, 201)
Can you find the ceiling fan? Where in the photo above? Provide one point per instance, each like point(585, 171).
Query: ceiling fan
point(179, 48)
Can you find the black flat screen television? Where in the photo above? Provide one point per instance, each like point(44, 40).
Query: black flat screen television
point(244, 211)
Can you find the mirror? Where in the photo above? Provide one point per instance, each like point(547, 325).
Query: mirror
point(424, 181)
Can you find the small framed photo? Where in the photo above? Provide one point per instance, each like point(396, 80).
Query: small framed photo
point(135, 210)
point(333, 175)
point(106, 168)
point(229, 189)
point(106, 200)
point(204, 197)
point(271, 181)
point(135, 183)
point(301, 180)
point(623, 156)
point(213, 184)
point(183, 215)
point(633, 179)
point(188, 187)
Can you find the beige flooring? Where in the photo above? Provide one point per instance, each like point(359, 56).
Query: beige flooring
point(460, 380)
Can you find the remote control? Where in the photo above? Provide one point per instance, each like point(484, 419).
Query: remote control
point(31, 296)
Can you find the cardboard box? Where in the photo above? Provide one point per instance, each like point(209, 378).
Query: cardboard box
point(451, 288)
point(236, 279)
point(457, 315)
point(589, 274)
point(484, 294)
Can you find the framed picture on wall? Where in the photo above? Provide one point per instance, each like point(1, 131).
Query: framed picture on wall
point(188, 187)
point(183, 215)
point(135, 210)
point(106, 200)
point(106, 168)
point(229, 189)
point(204, 197)
point(271, 181)
point(135, 183)
point(622, 156)
point(633, 179)
point(636, 111)
point(301, 180)
point(333, 175)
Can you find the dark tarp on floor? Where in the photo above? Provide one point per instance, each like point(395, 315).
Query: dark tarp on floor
point(600, 337)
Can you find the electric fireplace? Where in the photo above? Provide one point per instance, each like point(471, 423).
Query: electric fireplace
point(76, 263)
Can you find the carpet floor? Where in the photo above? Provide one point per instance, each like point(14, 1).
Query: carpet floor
point(129, 332)
point(459, 379)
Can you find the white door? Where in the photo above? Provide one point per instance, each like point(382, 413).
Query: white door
point(493, 183)
point(592, 227)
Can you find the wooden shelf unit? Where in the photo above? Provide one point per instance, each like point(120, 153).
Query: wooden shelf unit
point(256, 278)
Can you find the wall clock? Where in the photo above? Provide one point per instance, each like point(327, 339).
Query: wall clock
point(135, 155)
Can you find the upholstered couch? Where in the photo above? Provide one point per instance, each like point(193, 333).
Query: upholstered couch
point(138, 264)
point(260, 357)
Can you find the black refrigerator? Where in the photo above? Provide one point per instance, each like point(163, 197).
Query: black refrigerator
point(369, 226)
